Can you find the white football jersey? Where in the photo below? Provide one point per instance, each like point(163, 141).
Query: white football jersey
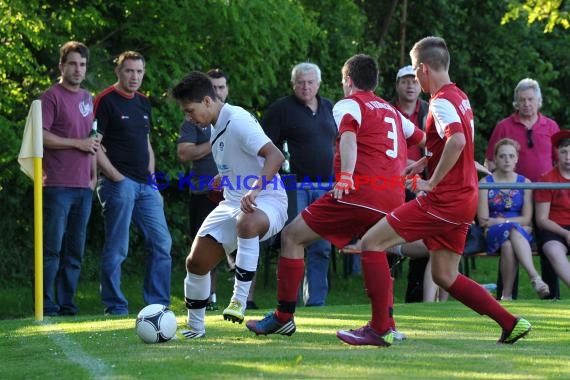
point(236, 140)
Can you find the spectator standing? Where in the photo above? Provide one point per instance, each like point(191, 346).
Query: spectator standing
point(506, 215)
point(533, 131)
point(440, 218)
point(409, 103)
point(371, 144)
point(126, 164)
point(553, 210)
point(69, 178)
point(304, 120)
point(254, 206)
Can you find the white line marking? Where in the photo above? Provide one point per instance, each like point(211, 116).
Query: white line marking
point(96, 367)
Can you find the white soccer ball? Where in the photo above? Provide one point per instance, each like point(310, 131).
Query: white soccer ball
point(156, 323)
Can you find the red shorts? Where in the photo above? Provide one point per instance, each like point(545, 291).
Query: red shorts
point(412, 222)
point(339, 222)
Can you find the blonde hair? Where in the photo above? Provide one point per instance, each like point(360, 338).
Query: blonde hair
point(507, 141)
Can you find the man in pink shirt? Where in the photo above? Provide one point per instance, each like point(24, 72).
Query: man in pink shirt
point(531, 129)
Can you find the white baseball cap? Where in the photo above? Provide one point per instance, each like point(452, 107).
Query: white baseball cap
point(405, 71)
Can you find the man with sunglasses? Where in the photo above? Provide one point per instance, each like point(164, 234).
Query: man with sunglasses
point(531, 129)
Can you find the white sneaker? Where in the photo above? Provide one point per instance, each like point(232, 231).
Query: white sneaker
point(399, 336)
point(191, 334)
point(540, 287)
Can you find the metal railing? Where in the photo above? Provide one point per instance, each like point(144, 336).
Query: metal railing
point(530, 185)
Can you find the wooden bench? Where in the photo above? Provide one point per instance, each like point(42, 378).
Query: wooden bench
point(466, 264)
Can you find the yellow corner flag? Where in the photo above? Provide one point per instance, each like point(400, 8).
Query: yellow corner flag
point(32, 141)
point(30, 160)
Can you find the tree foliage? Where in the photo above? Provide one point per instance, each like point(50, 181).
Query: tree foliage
point(256, 42)
point(552, 13)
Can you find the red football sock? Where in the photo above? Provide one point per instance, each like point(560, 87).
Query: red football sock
point(391, 307)
point(290, 273)
point(377, 283)
point(479, 299)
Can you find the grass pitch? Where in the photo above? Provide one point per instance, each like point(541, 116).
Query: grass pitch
point(445, 340)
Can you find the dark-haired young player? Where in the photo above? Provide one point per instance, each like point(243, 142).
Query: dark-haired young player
point(250, 212)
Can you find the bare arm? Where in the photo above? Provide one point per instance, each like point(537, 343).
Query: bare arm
point(348, 154)
point(106, 167)
point(526, 217)
point(544, 222)
point(191, 152)
point(451, 152)
point(482, 169)
point(490, 164)
point(53, 141)
point(483, 207)
point(151, 160)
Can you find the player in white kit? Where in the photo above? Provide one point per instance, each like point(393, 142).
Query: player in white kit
point(254, 206)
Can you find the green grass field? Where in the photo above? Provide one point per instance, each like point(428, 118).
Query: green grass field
point(445, 340)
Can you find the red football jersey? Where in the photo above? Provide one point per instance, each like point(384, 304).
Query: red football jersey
point(455, 197)
point(559, 198)
point(381, 134)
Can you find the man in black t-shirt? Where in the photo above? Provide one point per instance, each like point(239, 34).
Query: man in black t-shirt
point(305, 121)
point(126, 188)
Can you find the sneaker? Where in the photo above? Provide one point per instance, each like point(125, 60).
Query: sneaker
point(211, 306)
point(540, 287)
point(234, 312)
point(365, 336)
point(271, 325)
point(191, 334)
point(399, 336)
point(521, 329)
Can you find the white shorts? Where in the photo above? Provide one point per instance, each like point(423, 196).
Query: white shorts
point(221, 222)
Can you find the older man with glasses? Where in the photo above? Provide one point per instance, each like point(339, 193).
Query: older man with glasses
point(531, 129)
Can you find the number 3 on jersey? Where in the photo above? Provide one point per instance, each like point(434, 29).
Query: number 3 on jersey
point(392, 135)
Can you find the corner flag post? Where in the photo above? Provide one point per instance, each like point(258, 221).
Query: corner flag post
point(30, 160)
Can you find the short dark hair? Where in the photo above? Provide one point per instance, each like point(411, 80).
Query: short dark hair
point(562, 143)
point(431, 51)
point(73, 47)
point(194, 87)
point(363, 71)
point(129, 54)
point(217, 73)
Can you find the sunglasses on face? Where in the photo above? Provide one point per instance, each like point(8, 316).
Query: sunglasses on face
point(529, 141)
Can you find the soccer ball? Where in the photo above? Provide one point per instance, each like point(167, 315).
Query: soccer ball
point(155, 323)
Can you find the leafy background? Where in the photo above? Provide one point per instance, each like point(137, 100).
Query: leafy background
point(257, 42)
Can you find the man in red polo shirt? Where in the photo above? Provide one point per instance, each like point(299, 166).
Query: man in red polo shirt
point(531, 129)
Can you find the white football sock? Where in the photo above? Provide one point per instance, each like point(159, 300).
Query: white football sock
point(197, 287)
point(246, 259)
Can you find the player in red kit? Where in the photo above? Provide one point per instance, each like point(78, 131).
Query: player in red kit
point(372, 142)
point(440, 218)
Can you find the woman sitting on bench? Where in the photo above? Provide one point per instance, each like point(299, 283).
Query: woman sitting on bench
point(506, 215)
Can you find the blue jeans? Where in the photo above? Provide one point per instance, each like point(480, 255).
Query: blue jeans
point(316, 285)
point(66, 213)
point(123, 201)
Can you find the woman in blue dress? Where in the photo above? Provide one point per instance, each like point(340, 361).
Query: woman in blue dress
point(506, 215)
